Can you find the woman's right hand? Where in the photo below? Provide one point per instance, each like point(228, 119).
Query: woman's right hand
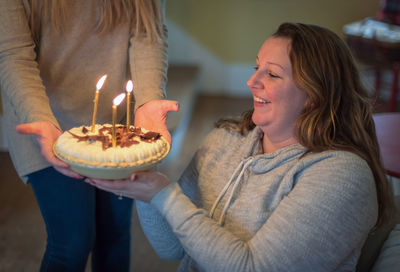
point(141, 186)
point(46, 135)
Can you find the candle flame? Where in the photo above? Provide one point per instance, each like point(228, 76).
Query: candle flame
point(129, 86)
point(118, 99)
point(100, 82)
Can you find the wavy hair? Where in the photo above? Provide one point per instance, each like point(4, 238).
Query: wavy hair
point(338, 111)
point(144, 16)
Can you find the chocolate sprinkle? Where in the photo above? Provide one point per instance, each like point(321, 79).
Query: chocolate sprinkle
point(124, 136)
point(150, 136)
point(85, 130)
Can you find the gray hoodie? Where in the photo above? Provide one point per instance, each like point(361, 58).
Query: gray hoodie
point(236, 209)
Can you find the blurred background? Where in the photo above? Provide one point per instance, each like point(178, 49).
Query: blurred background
point(222, 37)
point(212, 50)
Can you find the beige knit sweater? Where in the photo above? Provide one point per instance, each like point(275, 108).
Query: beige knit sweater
point(56, 80)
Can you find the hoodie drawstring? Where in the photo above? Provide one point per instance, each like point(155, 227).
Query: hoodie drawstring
point(235, 180)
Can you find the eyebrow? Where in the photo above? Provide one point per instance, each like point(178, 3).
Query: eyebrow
point(273, 63)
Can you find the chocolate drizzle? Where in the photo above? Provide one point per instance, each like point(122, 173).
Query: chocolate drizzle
point(125, 137)
point(84, 130)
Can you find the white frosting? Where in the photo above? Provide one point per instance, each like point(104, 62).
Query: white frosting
point(91, 153)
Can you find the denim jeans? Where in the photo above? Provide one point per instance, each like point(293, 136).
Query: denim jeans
point(81, 219)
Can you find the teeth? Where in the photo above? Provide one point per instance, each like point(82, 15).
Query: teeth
point(257, 99)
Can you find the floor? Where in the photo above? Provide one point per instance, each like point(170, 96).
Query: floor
point(22, 231)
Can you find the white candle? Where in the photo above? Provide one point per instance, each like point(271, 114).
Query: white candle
point(96, 99)
point(117, 100)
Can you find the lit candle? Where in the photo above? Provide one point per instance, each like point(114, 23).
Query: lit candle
point(96, 99)
point(117, 100)
point(129, 88)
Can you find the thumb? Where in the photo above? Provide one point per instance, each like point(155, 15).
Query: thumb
point(169, 105)
point(29, 128)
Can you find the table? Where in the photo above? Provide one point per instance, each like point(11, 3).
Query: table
point(377, 44)
point(388, 133)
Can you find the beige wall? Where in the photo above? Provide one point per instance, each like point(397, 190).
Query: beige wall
point(235, 29)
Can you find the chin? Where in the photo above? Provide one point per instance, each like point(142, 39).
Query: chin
point(258, 120)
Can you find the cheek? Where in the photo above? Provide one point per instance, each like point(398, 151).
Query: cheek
point(297, 103)
point(291, 101)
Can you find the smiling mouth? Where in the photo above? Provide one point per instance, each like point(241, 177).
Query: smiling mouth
point(259, 100)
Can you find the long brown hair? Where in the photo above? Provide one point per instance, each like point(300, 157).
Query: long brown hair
point(144, 15)
point(338, 112)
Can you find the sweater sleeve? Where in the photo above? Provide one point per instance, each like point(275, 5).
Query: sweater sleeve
point(325, 217)
point(157, 230)
point(148, 64)
point(20, 80)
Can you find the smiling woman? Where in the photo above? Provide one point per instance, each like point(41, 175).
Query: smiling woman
point(272, 191)
point(277, 100)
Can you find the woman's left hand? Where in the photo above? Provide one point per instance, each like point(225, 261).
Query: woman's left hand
point(153, 116)
point(141, 186)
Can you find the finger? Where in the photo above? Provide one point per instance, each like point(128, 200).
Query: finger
point(88, 180)
point(111, 184)
point(47, 152)
point(167, 136)
point(68, 172)
point(30, 128)
point(103, 188)
point(169, 105)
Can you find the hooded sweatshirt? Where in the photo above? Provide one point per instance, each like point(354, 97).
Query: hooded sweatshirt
point(237, 209)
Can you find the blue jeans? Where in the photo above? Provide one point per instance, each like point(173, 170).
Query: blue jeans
point(81, 219)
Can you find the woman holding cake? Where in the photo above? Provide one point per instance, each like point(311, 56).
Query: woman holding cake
point(52, 54)
point(295, 185)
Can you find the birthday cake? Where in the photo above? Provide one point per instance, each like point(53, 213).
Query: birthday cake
point(92, 154)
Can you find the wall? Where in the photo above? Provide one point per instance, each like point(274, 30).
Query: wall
point(223, 37)
point(234, 29)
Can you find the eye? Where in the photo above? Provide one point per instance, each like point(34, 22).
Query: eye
point(273, 75)
point(255, 67)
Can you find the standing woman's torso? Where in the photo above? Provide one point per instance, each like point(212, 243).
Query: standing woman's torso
point(72, 59)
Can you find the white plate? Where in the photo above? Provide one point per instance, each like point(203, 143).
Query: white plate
point(108, 172)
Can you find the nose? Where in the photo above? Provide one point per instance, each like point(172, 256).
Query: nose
point(253, 81)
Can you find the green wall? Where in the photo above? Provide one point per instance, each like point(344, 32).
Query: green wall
point(235, 29)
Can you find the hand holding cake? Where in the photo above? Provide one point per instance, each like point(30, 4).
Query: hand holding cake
point(141, 186)
point(153, 116)
point(46, 135)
